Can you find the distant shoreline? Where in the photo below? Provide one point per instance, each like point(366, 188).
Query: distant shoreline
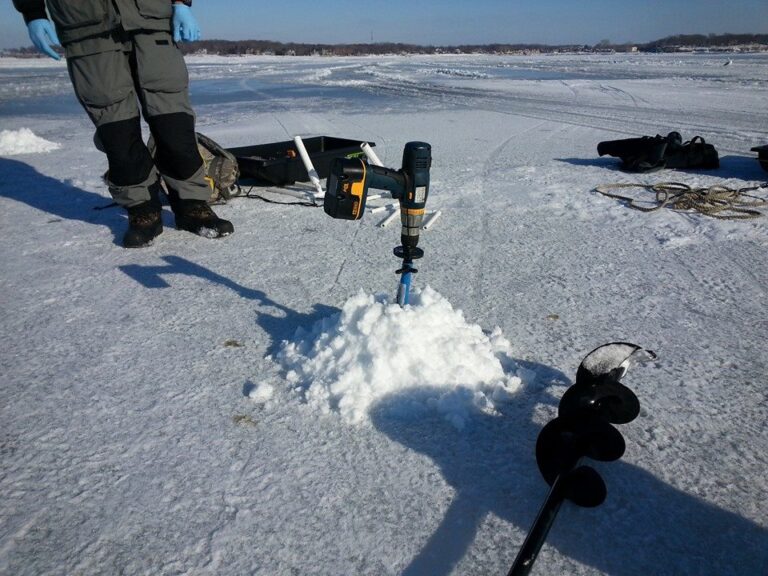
point(684, 43)
point(42, 61)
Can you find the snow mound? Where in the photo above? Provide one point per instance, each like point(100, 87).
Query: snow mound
point(24, 141)
point(261, 393)
point(426, 353)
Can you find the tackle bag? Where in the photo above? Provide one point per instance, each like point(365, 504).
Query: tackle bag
point(652, 153)
point(221, 168)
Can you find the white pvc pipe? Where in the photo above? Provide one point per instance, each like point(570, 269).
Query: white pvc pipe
point(371, 155)
point(384, 207)
point(376, 196)
point(309, 194)
point(388, 220)
point(308, 165)
point(432, 219)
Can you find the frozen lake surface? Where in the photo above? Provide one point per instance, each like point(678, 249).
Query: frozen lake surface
point(257, 405)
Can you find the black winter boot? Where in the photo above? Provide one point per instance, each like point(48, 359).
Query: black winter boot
point(197, 217)
point(144, 225)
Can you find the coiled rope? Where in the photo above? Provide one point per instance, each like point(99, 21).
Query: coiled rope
point(715, 201)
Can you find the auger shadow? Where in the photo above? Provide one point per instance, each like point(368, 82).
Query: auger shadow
point(277, 320)
point(22, 183)
point(645, 526)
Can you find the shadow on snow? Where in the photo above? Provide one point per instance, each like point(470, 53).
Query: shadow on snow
point(741, 167)
point(645, 526)
point(22, 183)
point(279, 321)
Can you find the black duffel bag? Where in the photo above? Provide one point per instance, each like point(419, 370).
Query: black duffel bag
point(651, 153)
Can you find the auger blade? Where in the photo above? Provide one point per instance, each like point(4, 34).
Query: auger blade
point(583, 429)
point(608, 399)
point(584, 487)
point(564, 441)
point(609, 361)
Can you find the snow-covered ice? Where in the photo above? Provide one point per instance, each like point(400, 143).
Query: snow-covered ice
point(255, 405)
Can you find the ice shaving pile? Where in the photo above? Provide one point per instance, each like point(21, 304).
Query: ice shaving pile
point(425, 352)
point(24, 141)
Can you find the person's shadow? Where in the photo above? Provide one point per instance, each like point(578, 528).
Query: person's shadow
point(277, 320)
point(645, 526)
point(22, 183)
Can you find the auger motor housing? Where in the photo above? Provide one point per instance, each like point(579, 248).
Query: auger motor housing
point(350, 179)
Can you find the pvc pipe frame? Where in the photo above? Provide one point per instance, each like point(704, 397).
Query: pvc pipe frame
point(307, 194)
point(389, 219)
point(313, 176)
point(392, 205)
point(428, 223)
point(370, 154)
point(432, 219)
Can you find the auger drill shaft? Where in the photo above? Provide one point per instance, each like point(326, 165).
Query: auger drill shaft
point(347, 190)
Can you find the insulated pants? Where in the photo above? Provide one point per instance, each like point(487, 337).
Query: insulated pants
point(144, 72)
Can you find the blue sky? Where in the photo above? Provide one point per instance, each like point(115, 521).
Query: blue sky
point(456, 22)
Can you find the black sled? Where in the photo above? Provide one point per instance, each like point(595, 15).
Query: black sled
point(762, 155)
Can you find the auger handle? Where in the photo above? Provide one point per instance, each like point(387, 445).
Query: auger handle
point(541, 526)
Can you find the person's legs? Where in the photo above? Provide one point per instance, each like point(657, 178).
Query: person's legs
point(131, 168)
point(162, 83)
point(104, 85)
point(147, 67)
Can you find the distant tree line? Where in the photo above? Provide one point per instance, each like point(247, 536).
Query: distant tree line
point(705, 41)
point(25, 52)
point(670, 43)
point(240, 47)
point(243, 47)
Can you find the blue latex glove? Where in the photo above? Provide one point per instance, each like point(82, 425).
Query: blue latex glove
point(185, 27)
point(43, 36)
